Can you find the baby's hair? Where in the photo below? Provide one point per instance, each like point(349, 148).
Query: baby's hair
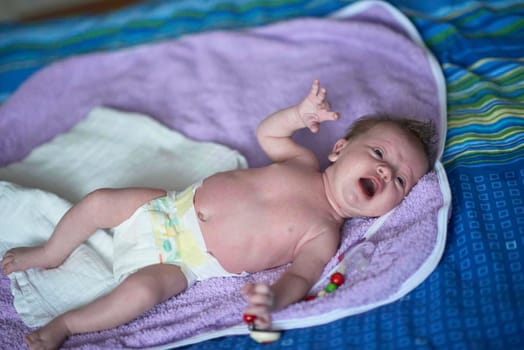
point(424, 131)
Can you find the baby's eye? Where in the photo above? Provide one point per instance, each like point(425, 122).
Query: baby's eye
point(401, 181)
point(378, 152)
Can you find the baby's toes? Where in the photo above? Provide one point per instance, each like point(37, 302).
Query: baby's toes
point(32, 339)
point(7, 267)
point(7, 258)
point(8, 253)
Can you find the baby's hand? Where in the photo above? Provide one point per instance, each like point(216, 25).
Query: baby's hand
point(260, 299)
point(315, 109)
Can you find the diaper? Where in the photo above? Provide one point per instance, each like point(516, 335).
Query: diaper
point(165, 230)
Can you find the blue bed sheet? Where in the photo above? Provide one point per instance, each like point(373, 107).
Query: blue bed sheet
point(475, 297)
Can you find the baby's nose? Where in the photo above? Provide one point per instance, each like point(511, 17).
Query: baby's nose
point(385, 172)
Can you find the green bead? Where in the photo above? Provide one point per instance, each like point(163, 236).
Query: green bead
point(331, 287)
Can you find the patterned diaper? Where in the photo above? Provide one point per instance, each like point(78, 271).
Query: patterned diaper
point(165, 230)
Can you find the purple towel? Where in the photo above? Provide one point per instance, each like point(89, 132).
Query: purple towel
point(218, 86)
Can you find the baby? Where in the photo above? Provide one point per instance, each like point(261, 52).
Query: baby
point(236, 222)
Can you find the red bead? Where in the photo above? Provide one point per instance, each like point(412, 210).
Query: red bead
point(337, 278)
point(249, 318)
point(310, 297)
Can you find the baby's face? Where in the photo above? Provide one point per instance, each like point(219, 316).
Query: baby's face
point(374, 171)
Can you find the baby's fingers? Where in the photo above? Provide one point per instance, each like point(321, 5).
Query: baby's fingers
point(258, 294)
point(261, 299)
point(311, 121)
point(324, 106)
point(314, 88)
point(322, 95)
point(329, 115)
point(317, 95)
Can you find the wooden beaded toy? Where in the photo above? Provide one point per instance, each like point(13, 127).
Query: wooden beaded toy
point(268, 336)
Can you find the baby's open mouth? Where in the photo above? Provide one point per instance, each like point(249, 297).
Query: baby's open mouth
point(368, 186)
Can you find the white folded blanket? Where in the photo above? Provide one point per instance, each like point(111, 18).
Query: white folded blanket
point(107, 149)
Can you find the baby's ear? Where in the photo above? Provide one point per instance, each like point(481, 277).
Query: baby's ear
point(337, 148)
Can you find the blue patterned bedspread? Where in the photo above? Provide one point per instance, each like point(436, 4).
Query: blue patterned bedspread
point(475, 297)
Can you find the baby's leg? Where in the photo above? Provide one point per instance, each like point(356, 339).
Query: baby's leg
point(136, 294)
point(100, 209)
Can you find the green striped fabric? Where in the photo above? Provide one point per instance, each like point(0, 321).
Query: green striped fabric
point(486, 112)
point(481, 52)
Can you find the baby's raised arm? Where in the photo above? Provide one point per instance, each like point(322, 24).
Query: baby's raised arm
point(274, 133)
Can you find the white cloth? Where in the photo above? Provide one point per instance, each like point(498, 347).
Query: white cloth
point(108, 148)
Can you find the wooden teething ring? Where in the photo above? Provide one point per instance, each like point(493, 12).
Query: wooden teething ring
point(260, 335)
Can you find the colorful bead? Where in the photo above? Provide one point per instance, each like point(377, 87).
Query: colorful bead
point(249, 318)
point(331, 287)
point(337, 278)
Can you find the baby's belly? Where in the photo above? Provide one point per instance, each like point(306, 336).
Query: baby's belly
point(242, 230)
point(248, 250)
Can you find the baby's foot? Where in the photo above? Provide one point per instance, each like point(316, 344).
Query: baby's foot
point(49, 337)
point(23, 258)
